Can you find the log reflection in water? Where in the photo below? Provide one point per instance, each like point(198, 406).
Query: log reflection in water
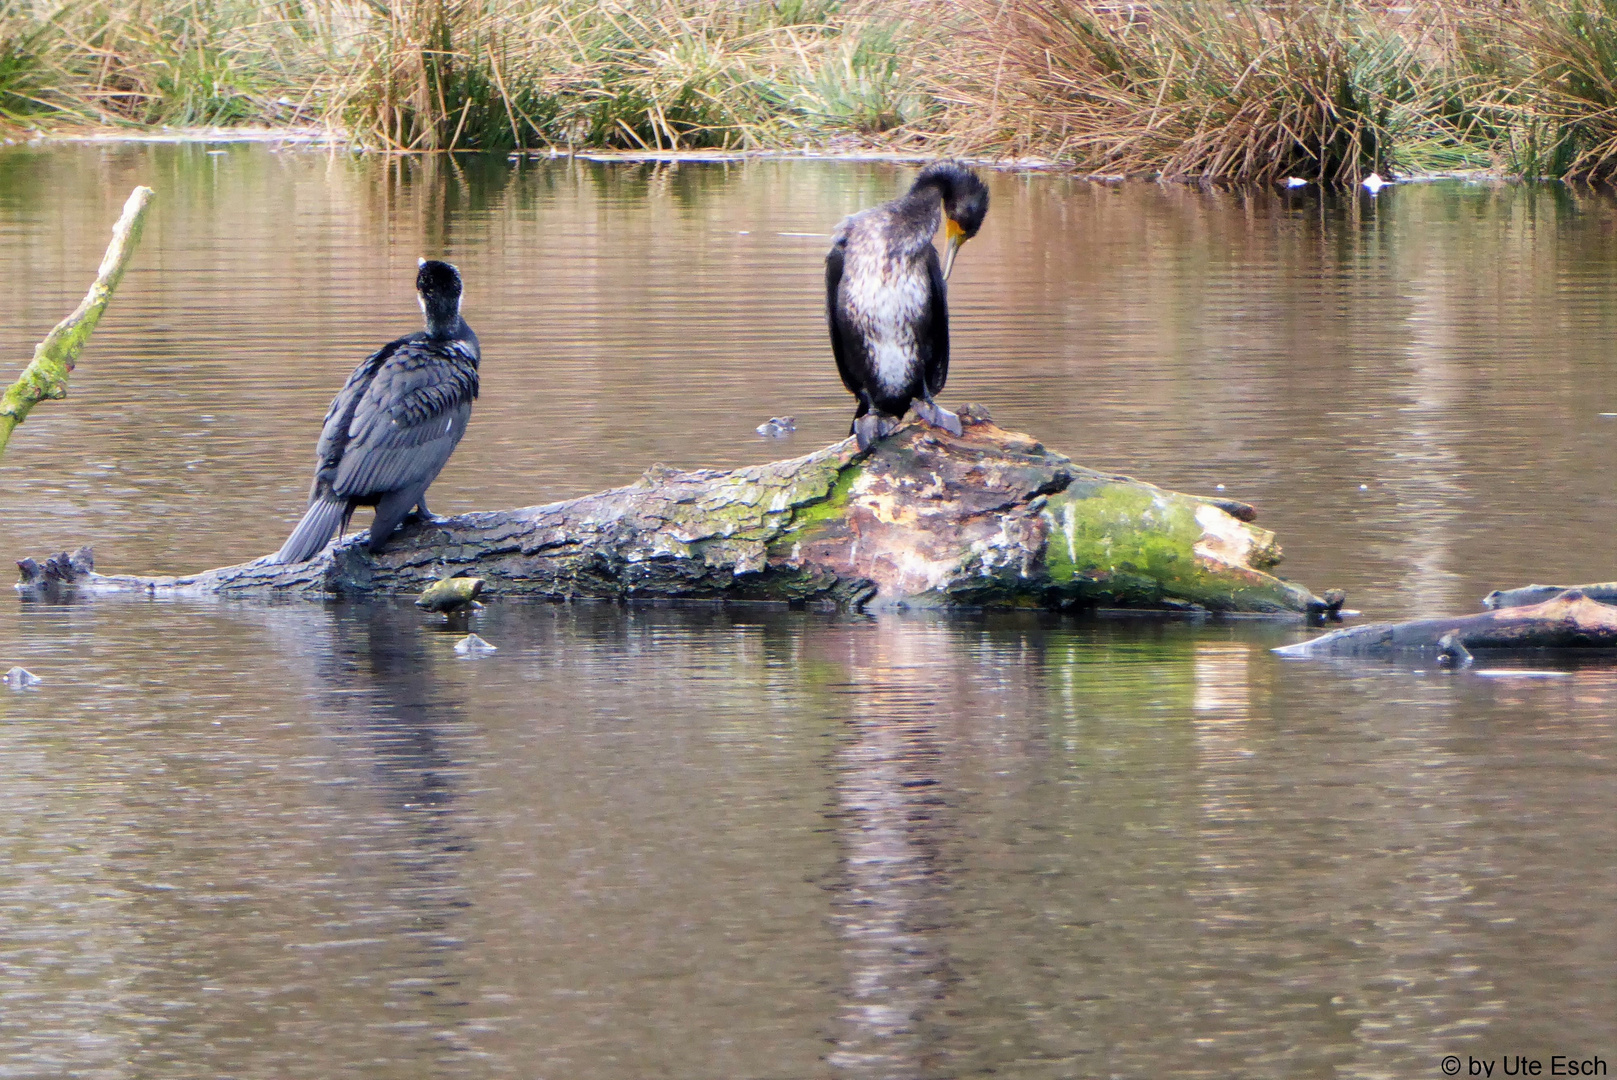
point(894, 816)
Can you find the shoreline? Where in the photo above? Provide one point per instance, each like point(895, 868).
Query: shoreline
point(330, 138)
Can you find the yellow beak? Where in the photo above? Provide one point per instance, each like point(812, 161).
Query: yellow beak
point(954, 237)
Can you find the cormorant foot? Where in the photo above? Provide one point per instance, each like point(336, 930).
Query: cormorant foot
point(866, 429)
point(938, 417)
point(873, 427)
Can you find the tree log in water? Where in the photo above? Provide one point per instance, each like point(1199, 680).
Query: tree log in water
point(1569, 620)
point(925, 519)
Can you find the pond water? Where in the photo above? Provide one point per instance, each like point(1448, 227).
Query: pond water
point(307, 840)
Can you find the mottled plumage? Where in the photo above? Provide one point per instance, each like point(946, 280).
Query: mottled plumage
point(887, 301)
point(393, 425)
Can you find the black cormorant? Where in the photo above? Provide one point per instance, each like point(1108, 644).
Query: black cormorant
point(886, 302)
point(395, 422)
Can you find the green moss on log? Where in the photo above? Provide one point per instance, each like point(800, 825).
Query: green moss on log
point(1119, 533)
point(1133, 545)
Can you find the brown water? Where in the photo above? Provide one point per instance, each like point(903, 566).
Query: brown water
point(300, 840)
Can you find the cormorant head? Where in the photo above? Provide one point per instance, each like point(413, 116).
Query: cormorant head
point(437, 285)
point(965, 204)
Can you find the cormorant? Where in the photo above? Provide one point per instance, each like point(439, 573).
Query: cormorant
point(886, 302)
point(395, 422)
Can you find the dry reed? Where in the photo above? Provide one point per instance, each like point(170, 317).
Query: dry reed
point(1218, 89)
point(1192, 88)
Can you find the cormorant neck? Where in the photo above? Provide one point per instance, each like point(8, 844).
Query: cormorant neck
point(920, 212)
point(443, 318)
point(938, 185)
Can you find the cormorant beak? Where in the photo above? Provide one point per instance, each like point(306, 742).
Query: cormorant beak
point(954, 237)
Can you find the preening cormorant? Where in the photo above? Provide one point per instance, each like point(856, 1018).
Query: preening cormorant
point(885, 298)
point(395, 422)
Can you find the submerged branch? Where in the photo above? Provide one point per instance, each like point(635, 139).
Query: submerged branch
point(45, 377)
point(1571, 619)
point(1605, 592)
point(925, 519)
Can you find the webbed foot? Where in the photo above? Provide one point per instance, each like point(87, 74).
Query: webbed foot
point(873, 427)
point(865, 429)
point(938, 416)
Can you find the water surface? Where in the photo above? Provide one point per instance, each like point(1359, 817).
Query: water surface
point(299, 839)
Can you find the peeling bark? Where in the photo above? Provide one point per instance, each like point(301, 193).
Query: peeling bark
point(1569, 620)
point(925, 519)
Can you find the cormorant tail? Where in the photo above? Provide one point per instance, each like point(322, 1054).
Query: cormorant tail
point(323, 518)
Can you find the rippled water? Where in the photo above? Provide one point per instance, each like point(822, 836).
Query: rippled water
point(305, 840)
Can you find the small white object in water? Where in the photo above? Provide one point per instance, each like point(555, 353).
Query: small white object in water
point(472, 645)
point(1294, 181)
point(777, 427)
point(1364, 487)
point(1373, 183)
point(20, 678)
point(1220, 487)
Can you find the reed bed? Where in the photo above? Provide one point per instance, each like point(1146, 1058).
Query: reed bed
point(1238, 90)
point(1562, 115)
point(150, 62)
point(655, 74)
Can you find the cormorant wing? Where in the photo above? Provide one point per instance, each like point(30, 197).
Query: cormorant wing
point(933, 337)
point(407, 424)
point(844, 338)
point(334, 429)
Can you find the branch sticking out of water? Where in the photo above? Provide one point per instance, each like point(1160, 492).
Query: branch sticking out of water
point(1572, 619)
point(45, 378)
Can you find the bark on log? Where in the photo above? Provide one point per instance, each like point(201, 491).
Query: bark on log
point(1570, 620)
point(45, 377)
point(925, 519)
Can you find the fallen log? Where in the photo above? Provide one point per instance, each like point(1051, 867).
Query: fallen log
point(1569, 620)
point(925, 519)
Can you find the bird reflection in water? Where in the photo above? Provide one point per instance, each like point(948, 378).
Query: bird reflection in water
point(397, 744)
point(893, 818)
